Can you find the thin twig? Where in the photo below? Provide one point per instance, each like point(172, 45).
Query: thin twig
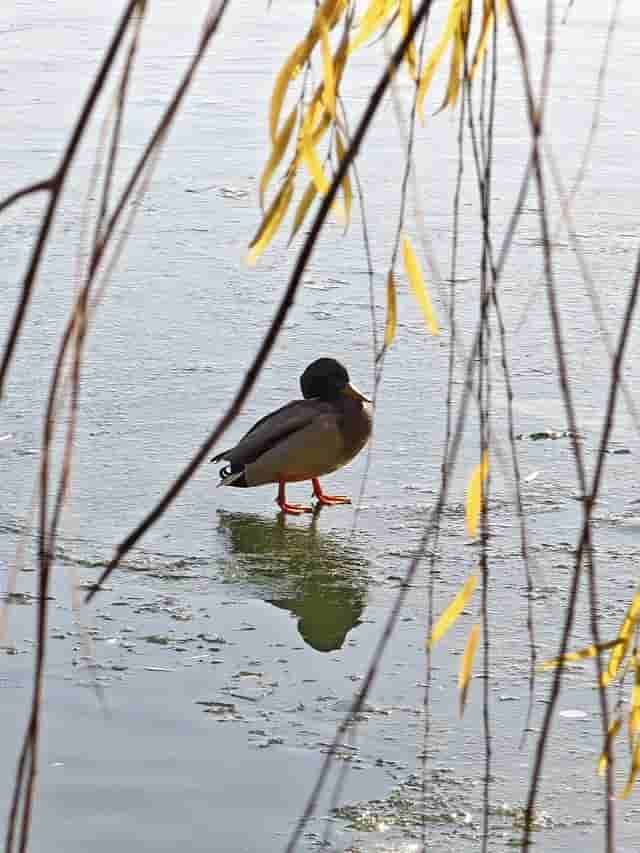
point(38, 187)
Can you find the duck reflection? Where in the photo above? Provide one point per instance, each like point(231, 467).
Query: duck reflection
point(315, 576)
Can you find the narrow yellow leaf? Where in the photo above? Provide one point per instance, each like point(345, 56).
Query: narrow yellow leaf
point(613, 730)
point(392, 311)
point(313, 164)
point(618, 653)
point(321, 127)
point(485, 30)
point(373, 19)
point(315, 114)
point(634, 716)
point(466, 665)
point(418, 286)
point(308, 152)
point(428, 72)
point(329, 71)
point(277, 153)
point(271, 222)
point(634, 722)
point(451, 613)
point(320, 118)
point(340, 58)
point(330, 12)
point(346, 183)
point(406, 16)
point(455, 71)
point(337, 208)
point(458, 8)
point(286, 74)
point(316, 120)
point(303, 208)
point(635, 767)
point(475, 493)
point(588, 652)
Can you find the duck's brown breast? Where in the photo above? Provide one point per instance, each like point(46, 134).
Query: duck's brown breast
point(355, 426)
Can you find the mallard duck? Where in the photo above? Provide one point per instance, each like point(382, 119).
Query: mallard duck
point(304, 440)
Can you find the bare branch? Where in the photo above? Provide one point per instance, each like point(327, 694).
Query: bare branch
point(31, 189)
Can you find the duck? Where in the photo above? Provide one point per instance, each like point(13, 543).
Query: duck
point(304, 439)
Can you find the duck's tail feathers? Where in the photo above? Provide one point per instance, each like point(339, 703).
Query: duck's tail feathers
point(232, 475)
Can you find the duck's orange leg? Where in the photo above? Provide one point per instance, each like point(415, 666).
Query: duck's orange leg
point(289, 509)
point(327, 500)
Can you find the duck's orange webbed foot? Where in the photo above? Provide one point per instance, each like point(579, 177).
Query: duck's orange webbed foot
point(327, 500)
point(287, 508)
point(293, 509)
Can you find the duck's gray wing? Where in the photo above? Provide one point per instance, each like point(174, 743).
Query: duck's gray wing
point(272, 429)
point(313, 450)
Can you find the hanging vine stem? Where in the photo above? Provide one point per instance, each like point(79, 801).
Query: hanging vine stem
point(535, 115)
point(372, 308)
point(484, 390)
point(75, 331)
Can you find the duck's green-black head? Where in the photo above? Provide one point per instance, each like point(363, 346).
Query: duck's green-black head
point(326, 379)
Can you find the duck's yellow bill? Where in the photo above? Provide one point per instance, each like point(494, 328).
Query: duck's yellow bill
point(351, 391)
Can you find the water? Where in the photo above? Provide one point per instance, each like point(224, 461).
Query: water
point(273, 622)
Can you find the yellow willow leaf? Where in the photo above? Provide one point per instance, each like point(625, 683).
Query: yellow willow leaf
point(475, 493)
point(346, 182)
point(419, 288)
point(588, 652)
point(485, 31)
point(635, 767)
point(483, 38)
point(314, 121)
point(451, 613)
point(309, 155)
point(313, 164)
point(373, 19)
point(337, 208)
point(392, 311)
point(315, 110)
point(327, 64)
point(634, 716)
point(458, 8)
point(618, 654)
point(271, 222)
point(321, 127)
point(466, 665)
point(330, 12)
point(634, 723)
point(303, 208)
point(455, 71)
point(340, 58)
point(348, 200)
point(321, 118)
point(613, 730)
point(406, 16)
point(277, 153)
point(286, 74)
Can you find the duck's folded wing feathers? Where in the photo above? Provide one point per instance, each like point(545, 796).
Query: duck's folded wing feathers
point(273, 428)
point(311, 451)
